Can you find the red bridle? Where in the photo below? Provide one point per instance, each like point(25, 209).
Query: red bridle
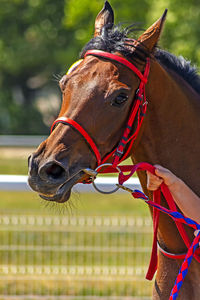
point(138, 110)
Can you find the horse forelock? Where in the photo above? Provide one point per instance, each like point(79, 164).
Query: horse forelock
point(117, 40)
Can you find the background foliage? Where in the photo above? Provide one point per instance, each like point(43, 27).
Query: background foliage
point(39, 39)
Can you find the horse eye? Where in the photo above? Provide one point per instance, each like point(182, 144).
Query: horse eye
point(120, 100)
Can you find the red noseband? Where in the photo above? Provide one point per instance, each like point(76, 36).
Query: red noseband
point(82, 131)
point(138, 111)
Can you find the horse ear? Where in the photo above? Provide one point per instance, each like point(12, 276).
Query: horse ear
point(104, 17)
point(151, 36)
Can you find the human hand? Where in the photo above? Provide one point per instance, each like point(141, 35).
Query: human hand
point(161, 175)
point(195, 233)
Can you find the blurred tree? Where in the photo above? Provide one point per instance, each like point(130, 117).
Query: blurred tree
point(80, 16)
point(40, 38)
point(33, 44)
point(181, 34)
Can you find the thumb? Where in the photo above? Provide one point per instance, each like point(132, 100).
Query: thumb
point(196, 232)
point(168, 177)
point(163, 173)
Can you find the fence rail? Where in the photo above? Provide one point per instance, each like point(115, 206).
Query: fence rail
point(21, 140)
point(19, 183)
point(83, 257)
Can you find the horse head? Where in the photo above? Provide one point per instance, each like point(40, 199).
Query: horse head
point(98, 94)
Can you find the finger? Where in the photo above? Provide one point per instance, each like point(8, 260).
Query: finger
point(168, 177)
point(153, 182)
point(152, 187)
point(153, 178)
point(161, 171)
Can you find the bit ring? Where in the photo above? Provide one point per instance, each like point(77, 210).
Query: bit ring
point(94, 177)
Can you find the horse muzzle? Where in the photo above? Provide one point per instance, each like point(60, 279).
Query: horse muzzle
point(52, 180)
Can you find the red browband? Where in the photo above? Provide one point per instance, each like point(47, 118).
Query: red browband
point(119, 59)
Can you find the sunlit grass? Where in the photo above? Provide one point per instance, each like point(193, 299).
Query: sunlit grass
point(14, 160)
point(79, 204)
point(14, 166)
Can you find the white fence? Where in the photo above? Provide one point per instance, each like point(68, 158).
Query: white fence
point(85, 257)
point(21, 140)
point(19, 183)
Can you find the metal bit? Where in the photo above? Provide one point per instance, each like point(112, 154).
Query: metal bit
point(90, 172)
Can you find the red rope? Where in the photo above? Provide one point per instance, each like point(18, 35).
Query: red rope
point(177, 217)
point(156, 199)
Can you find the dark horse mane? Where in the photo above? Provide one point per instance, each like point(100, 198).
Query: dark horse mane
point(116, 40)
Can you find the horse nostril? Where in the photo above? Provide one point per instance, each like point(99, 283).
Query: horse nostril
point(52, 171)
point(32, 166)
point(29, 158)
point(55, 171)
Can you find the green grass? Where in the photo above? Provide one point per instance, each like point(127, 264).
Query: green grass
point(14, 160)
point(79, 204)
point(16, 166)
point(75, 288)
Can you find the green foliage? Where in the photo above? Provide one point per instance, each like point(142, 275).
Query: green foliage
point(80, 16)
point(32, 40)
point(181, 34)
point(40, 38)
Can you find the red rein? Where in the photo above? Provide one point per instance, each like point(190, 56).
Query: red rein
point(172, 206)
point(138, 111)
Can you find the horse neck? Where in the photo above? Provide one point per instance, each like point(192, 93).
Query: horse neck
point(170, 133)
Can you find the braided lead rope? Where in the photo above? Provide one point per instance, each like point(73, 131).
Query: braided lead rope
point(184, 268)
point(176, 216)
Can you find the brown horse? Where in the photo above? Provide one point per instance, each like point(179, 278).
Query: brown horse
point(98, 94)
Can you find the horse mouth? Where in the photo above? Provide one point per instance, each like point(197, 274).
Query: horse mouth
point(64, 190)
